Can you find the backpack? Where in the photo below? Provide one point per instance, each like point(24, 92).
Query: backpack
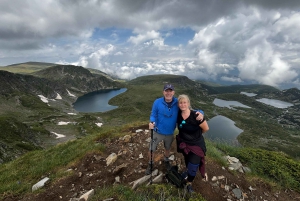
point(174, 177)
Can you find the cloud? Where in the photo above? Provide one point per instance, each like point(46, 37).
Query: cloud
point(241, 41)
point(231, 79)
point(264, 65)
point(150, 35)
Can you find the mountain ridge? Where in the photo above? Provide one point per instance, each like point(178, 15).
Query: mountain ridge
point(38, 118)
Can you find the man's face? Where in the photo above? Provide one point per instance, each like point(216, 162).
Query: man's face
point(168, 94)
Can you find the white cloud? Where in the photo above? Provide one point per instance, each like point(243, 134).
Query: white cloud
point(256, 40)
point(231, 79)
point(143, 37)
point(264, 65)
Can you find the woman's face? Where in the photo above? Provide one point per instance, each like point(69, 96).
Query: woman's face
point(183, 104)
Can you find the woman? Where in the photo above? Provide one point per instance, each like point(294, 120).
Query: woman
point(190, 141)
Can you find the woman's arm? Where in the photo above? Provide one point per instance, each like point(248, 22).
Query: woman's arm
point(204, 126)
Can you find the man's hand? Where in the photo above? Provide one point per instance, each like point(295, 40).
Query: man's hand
point(151, 125)
point(200, 116)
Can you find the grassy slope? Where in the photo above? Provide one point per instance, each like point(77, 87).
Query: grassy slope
point(26, 68)
point(134, 109)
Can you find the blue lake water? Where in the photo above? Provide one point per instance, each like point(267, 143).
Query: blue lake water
point(229, 104)
point(249, 94)
point(275, 103)
point(97, 101)
point(223, 129)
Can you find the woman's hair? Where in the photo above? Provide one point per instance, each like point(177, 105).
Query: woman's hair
point(184, 97)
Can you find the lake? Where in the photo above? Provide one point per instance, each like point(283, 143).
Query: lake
point(275, 103)
point(223, 129)
point(220, 128)
point(248, 94)
point(97, 101)
point(224, 103)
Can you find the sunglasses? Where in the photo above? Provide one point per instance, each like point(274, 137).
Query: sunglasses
point(183, 122)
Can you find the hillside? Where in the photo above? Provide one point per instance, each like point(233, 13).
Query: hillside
point(27, 68)
point(76, 78)
point(113, 182)
point(32, 118)
point(29, 122)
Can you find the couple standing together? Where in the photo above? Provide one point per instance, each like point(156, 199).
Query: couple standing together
point(167, 112)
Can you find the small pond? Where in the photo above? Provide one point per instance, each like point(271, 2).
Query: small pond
point(275, 103)
point(223, 129)
point(229, 104)
point(249, 94)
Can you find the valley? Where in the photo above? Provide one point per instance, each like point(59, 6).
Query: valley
point(263, 126)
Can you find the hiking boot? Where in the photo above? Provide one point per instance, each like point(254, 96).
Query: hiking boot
point(149, 170)
point(189, 188)
point(168, 165)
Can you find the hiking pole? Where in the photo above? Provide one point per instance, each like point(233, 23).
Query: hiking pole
point(151, 155)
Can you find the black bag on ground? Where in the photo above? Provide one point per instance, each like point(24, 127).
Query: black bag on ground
point(174, 177)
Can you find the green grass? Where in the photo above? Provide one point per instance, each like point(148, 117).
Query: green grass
point(26, 68)
point(134, 107)
point(154, 192)
point(18, 176)
point(273, 166)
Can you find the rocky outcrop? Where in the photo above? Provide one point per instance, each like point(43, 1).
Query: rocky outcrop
point(124, 162)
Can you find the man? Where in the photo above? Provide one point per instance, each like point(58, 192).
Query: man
point(163, 121)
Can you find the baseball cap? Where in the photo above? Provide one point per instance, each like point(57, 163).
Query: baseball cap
point(168, 86)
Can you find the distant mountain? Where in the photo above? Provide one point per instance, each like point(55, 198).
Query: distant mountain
point(76, 78)
point(33, 64)
point(32, 67)
point(26, 68)
point(17, 83)
point(253, 88)
point(20, 103)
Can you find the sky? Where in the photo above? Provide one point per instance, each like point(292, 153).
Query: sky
point(230, 42)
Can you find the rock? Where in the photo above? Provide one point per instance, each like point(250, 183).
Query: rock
point(117, 179)
point(158, 178)
point(237, 193)
point(111, 159)
point(232, 160)
point(235, 166)
point(214, 178)
point(87, 196)
point(126, 138)
point(39, 184)
point(142, 180)
point(120, 167)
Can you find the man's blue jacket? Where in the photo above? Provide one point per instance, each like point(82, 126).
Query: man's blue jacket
point(164, 116)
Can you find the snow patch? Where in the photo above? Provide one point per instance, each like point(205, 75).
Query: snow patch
point(43, 98)
point(63, 123)
point(99, 124)
point(58, 135)
point(58, 96)
point(70, 93)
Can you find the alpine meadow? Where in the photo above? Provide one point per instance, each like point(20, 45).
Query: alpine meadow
point(35, 97)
